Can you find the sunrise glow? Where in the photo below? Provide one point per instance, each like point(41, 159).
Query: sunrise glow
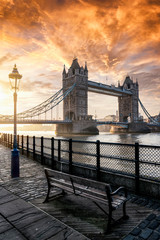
point(116, 38)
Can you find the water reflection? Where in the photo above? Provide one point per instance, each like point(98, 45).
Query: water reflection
point(146, 138)
point(110, 153)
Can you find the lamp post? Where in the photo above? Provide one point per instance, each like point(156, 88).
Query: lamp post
point(14, 79)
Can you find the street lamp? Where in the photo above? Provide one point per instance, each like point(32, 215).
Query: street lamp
point(14, 79)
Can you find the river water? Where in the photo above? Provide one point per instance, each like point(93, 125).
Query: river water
point(113, 152)
point(141, 138)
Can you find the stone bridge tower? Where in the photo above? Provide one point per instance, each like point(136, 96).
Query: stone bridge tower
point(128, 105)
point(75, 105)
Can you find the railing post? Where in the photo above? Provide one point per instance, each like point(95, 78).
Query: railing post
point(98, 159)
point(70, 156)
point(137, 168)
point(8, 140)
point(11, 141)
point(34, 147)
point(42, 157)
point(17, 141)
point(59, 150)
point(22, 144)
point(52, 152)
point(27, 146)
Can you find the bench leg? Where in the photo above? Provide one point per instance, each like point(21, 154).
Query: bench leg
point(109, 222)
point(125, 216)
point(47, 197)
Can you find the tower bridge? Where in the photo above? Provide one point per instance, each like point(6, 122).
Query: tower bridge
point(74, 95)
point(107, 89)
point(75, 105)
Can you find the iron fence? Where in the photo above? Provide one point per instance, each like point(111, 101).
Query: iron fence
point(134, 160)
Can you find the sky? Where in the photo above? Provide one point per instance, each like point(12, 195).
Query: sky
point(115, 37)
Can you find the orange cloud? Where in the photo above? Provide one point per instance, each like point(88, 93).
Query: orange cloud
point(116, 37)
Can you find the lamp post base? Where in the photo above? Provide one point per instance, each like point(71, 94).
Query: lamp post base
point(15, 163)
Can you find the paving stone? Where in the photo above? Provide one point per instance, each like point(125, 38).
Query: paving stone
point(153, 225)
point(139, 201)
point(151, 217)
point(134, 199)
point(158, 229)
point(12, 234)
point(158, 218)
point(8, 198)
point(136, 231)
point(154, 236)
point(43, 229)
point(155, 206)
point(129, 237)
point(67, 235)
point(146, 233)
point(14, 207)
point(4, 225)
point(26, 217)
point(150, 204)
point(144, 203)
point(143, 224)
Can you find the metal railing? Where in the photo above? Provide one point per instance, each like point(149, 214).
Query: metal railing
point(132, 160)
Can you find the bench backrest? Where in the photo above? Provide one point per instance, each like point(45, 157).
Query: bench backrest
point(78, 180)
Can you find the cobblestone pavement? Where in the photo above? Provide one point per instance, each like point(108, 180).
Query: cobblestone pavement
point(32, 184)
point(148, 229)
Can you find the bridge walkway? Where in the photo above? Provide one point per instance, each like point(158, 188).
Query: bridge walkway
point(70, 215)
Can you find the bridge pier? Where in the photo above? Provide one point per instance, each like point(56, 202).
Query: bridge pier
point(80, 127)
point(133, 127)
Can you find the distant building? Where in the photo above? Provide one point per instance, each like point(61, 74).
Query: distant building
point(110, 118)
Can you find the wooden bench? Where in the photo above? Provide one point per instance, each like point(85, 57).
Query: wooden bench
point(98, 192)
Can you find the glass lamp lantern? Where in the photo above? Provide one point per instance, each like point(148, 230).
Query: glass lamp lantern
point(14, 79)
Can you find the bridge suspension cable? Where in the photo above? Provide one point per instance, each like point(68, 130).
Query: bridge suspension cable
point(147, 113)
point(43, 107)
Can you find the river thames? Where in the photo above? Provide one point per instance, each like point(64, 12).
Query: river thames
point(141, 138)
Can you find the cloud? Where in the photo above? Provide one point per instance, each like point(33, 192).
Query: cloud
point(115, 37)
point(8, 57)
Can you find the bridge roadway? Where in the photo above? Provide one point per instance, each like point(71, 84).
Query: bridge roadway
point(35, 121)
point(43, 121)
point(107, 89)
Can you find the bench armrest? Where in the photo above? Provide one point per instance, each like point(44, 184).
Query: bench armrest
point(119, 190)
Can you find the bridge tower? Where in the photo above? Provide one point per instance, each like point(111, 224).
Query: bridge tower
point(128, 105)
point(75, 105)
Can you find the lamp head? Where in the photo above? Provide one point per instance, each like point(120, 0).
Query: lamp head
point(15, 74)
point(14, 78)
